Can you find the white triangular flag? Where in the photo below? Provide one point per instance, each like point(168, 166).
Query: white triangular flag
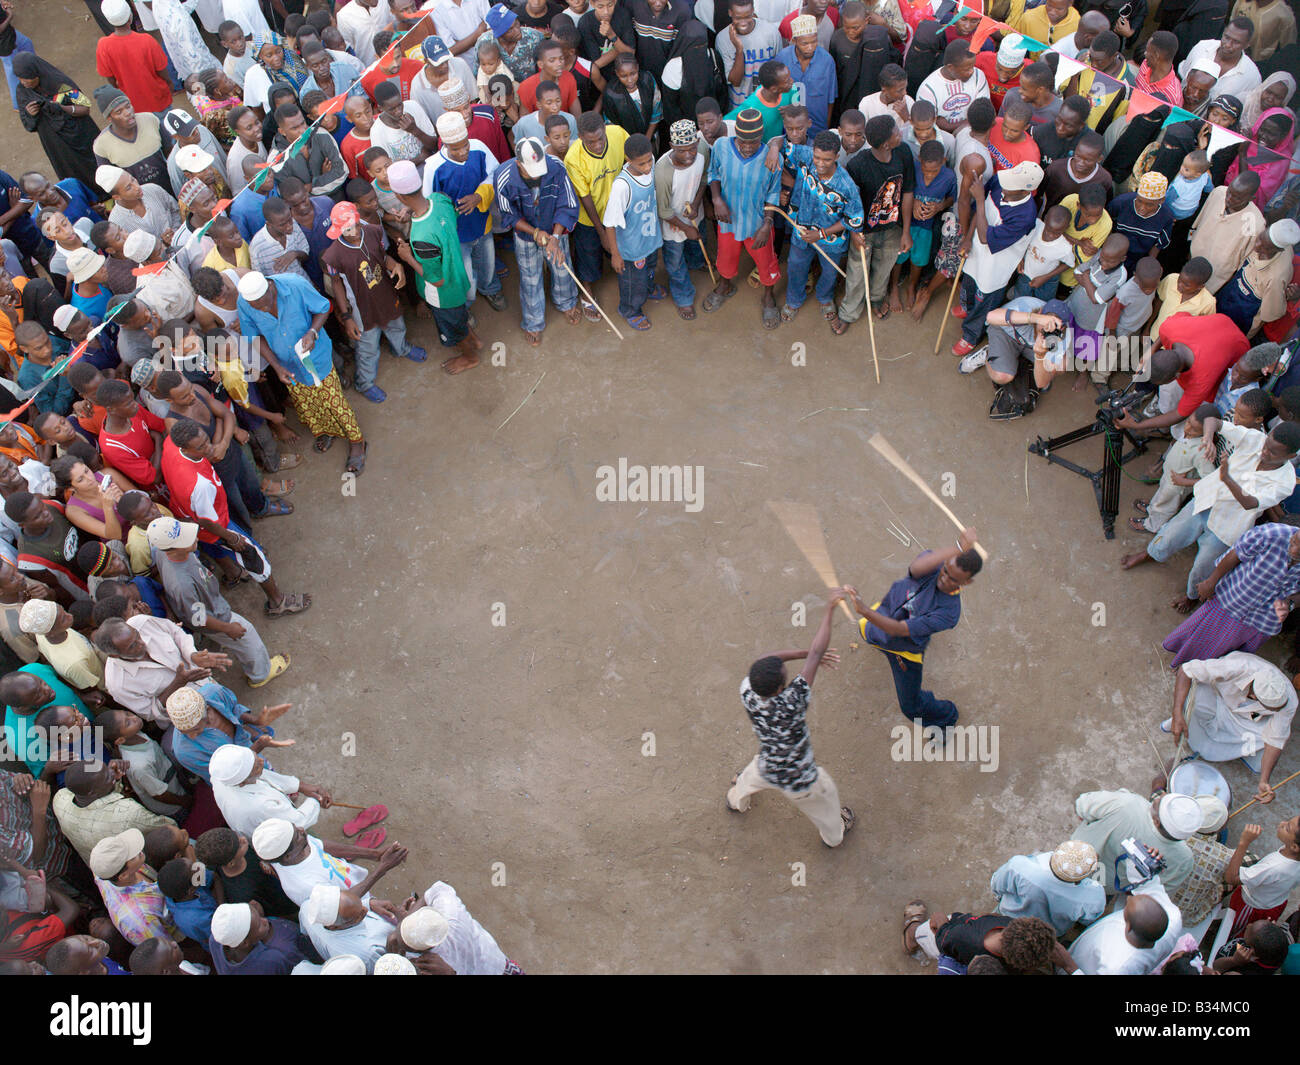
point(1221, 138)
point(1066, 68)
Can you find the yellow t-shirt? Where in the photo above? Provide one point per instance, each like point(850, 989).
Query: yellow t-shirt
point(1097, 233)
point(1171, 302)
point(592, 176)
point(137, 546)
point(215, 261)
point(1035, 24)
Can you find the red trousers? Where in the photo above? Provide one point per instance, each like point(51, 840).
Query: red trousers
point(764, 258)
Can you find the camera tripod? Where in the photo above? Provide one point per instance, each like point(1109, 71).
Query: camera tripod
point(1105, 481)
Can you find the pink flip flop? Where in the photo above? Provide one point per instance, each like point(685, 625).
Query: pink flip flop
point(371, 815)
point(373, 838)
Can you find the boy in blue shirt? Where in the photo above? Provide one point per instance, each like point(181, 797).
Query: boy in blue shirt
point(632, 231)
point(934, 193)
point(914, 609)
point(189, 898)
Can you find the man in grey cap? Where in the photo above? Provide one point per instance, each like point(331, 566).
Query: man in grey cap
point(185, 130)
point(137, 143)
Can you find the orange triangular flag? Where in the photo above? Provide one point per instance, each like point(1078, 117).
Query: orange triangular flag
point(149, 268)
point(221, 206)
point(986, 29)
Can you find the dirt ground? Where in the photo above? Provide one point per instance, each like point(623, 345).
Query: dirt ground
point(514, 753)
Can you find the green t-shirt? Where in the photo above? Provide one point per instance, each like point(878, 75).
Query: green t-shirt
point(17, 725)
point(435, 244)
point(772, 125)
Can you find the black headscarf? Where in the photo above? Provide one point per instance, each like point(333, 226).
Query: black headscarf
point(925, 55)
point(859, 75)
point(700, 74)
point(52, 82)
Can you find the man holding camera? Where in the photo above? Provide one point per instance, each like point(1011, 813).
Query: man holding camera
point(1027, 328)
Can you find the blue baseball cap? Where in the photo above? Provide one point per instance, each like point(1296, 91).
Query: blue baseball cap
point(435, 51)
point(500, 19)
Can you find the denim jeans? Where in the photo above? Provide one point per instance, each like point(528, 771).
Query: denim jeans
point(1042, 292)
point(21, 44)
point(977, 305)
point(588, 254)
point(367, 350)
point(801, 256)
point(532, 264)
point(481, 265)
point(1182, 530)
point(913, 701)
point(634, 284)
point(677, 261)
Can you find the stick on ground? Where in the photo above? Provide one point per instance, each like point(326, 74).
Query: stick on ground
point(956, 280)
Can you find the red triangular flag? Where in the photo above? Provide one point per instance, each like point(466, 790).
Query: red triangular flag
point(221, 206)
point(332, 106)
point(149, 268)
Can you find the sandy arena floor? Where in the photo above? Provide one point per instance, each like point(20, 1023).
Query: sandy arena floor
point(514, 753)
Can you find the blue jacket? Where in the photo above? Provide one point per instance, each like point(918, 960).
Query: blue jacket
point(553, 203)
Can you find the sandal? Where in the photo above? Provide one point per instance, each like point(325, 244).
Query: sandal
point(829, 313)
point(1136, 525)
point(290, 603)
point(639, 321)
point(754, 280)
point(533, 338)
point(275, 508)
point(686, 314)
point(716, 299)
point(356, 464)
point(288, 462)
point(771, 316)
point(372, 839)
point(1141, 505)
point(234, 582)
point(590, 313)
point(279, 663)
point(367, 818)
point(788, 313)
point(324, 442)
point(838, 325)
point(914, 913)
point(574, 315)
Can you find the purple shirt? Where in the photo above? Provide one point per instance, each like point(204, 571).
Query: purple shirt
point(276, 957)
point(1265, 574)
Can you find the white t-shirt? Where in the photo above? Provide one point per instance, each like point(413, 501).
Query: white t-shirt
point(469, 947)
point(1044, 256)
point(319, 867)
point(952, 99)
point(686, 183)
point(455, 22)
point(400, 141)
point(359, 24)
point(872, 107)
point(1103, 950)
point(1269, 881)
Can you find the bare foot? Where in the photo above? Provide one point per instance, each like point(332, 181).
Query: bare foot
point(573, 315)
point(1129, 561)
point(1079, 382)
point(533, 338)
point(922, 301)
point(895, 300)
point(459, 364)
point(1183, 605)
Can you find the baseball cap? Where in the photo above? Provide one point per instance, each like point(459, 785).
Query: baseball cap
point(167, 533)
point(342, 216)
point(435, 51)
point(532, 157)
point(111, 854)
point(177, 121)
point(499, 19)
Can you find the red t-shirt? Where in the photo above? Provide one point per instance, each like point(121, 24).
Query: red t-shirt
point(486, 127)
point(831, 13)
point(132, 451)
point(30, 935)
point(987, 64)
point(405, 74)
point(1279, 329)
point(1216, 344)
point(528, 92)
point(183, 476)
point(352, 149)
point(1006, 154)
point(135, 61)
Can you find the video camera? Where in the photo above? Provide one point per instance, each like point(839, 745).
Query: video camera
point(1117, 401)
point(1145, 865)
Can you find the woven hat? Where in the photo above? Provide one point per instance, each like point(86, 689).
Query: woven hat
point(453, 93)
point(186, 708)
point(1073, 861)
point(803, 26)
point(1270, 689)
point(84, 263)
point(684, 132)
point(1153, 185)
point(37, 616)
point(394, 965)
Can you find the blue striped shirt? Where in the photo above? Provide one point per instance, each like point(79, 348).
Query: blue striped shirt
point(1264, 574)
point(746, 185)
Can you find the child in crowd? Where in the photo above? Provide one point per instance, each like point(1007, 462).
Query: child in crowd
point(935, 189)
point(1048, 256)
point(1190, 185)
point(1184, 464)
point(490, 64)
point(633, 235)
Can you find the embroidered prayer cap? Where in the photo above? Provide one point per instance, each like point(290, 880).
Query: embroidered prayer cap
point(1073, 861)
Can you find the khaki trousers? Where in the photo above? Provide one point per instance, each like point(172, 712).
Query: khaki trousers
point(820, 803)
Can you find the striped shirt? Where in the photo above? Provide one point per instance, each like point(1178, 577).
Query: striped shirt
point(264, 250)
point(746, 185)
point(821, 204)
point(1266, 573)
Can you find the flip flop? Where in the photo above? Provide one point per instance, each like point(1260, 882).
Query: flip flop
point(288, 461)
point(374, 838)
point(771, 316)
point(639, 321)
point(914, 913)
point(275, 507)
point(279, 663)
point(290, 603)
point(714, 300)
point(358, 464)
point(371, 815)
point(324, 442)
